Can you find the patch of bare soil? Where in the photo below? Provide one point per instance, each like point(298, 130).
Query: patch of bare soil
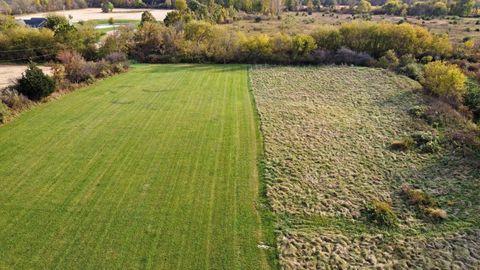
point(8, 73)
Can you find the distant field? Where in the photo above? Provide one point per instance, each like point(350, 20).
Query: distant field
point(291, 22)
point(327, 136)
point(152, 169)
point(97, 14)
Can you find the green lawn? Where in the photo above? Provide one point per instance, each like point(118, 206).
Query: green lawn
point(152, 169)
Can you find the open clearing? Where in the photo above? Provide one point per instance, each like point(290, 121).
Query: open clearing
point(152, 169)
point(88, 14)
point(327, 134)
point(8, 73)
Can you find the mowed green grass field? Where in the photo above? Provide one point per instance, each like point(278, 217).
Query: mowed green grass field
point(152, 169)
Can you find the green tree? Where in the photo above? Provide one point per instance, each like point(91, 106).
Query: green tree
point(247, 5)
point(463, 7)
point(291, 5)
point(7, 22)
point(34, 84)
point(444, 79)
point(364, 7)
point(107, 7)
point(439, 9)
point(329, 3)
point(181, 5)
point(392, 7)
point(56, 22)
point(147, 17)
point(302, 45)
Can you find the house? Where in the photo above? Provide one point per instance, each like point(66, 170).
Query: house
point(33, 22)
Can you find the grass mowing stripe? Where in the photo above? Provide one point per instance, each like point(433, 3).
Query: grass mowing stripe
point(128, 185)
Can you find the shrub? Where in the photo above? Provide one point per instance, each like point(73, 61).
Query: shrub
point(116, 62)
point(147, 17)
point(328, 38)
point(417, 111)
point(116, 58)
point(34, 84)
point(403, 144)
point(417, 196)
point(74, 65)
point(472, 99)
point(347, 56)
point(436, 214)
point(302, 45)
point(181, 5)
point(426, 142)
point(426, 59)
point(175, 17)
point(55, 22)
point(107, 7)
point(4, 112)
point(389, 60)
point(413, 71)
point(380, 213)
point(445, 80)
point(120, 40)
point(7, 22)
point(440, 113)
point(23, 43)
point(15, 101)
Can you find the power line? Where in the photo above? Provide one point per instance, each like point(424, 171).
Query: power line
point(30, 49)
point(25, 58)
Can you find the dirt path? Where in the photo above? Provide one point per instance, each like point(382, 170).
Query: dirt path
point(96, 14)
point(8, 73)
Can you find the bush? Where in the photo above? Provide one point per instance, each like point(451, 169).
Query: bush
point(4, 112)
point(445, 80)
point(403, 144)
point(417, 111)
point(426, 59)
point(436, 214)
point(75, 67)
point(328, 38)
point(440, 113)
point(23, 43)
point(349, 57)
point(15, 101)
point(389, 60)
point(116, 58)
point(107, 7)
point(426, 142)
point(472, 99)
point(418, 197)
point(34, 84)
point(147, 17)
point(413, 71)
point(380, 213)
point(302, 45)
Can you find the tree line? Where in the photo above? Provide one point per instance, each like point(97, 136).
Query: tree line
point(392, 7)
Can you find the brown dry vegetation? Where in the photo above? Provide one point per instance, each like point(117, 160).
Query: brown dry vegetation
point(303, 23)
point(327, 133)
